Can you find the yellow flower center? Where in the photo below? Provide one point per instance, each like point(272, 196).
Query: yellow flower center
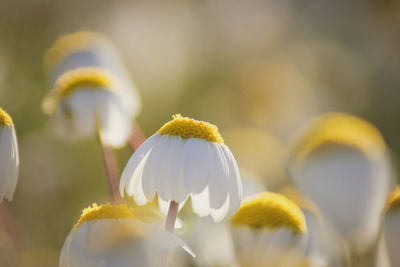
point(5, 119)
point(394, 199)
point(89, 77)
point(67, 45)
point(189, 128)
point(106, 211)
point(342, 129)
point(272, 211)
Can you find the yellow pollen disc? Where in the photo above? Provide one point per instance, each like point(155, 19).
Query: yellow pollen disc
point(5, 118)
point(272, 211)
point(394, 199)
point(189, 128)
point(68, 44)
point(106, 211)
point(88, 77)
point(340, 128)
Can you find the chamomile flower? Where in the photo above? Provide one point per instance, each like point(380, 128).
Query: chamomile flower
point(185, 158)
point(91, 89)
point(341, 163)
point(9, 158)
point(391, 227)
point(269, 230)
point(111, 236)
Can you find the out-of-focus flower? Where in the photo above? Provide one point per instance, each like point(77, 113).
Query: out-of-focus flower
point(9, 158)
point(110, 235)
point(341, 163)
point(391, 227)
point(85, 100)
point(269, 230)
point(186, 157)
point(263, 154)
point(211, 241)
point(91, 89)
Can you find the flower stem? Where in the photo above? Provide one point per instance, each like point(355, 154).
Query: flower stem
point(111, 165)
point(171, 216)
point(137, 136)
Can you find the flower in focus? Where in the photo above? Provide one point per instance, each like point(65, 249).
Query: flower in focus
point(111, 235)
point(269, 230)
point(341, 163)
point(391, 227)
point(91, 91)
point(186, 157)
point(9, 158)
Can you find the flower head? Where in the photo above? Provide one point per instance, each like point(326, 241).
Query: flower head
point(340, 162)
point(186, 157)
point(272, 211)
point(92, 90)
point(269, 230)
point(9, 157)
point(111, 235)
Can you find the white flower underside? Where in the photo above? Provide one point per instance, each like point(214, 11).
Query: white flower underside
point(270, 247)
point(342, 182)
point(105, 242)
point(79, 114)
point(176, 169)
point(9, 162)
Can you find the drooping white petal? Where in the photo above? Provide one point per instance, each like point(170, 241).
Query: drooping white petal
point(219, 214)
point(218, 184)
point(5, 159)
point(115, 125)
point(151, 171)
point(82, 106)
point(135, 187)
point(201, 203)
point(235, 181)
point(134, 161)
point(14, 168)
point(196, 165)
point(170, 181)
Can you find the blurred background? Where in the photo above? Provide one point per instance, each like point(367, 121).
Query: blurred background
point(257, 69)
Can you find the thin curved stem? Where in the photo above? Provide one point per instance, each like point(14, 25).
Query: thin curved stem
point(137, 136)
point(171, 216)
point(111, 165)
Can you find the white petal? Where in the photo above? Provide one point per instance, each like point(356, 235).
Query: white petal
point(5, 159)
point(115, 125)
point(170, 185)
point(14, 168)
point(196, 165)
point(135, 187)
point(201, 203)
point(218, 184)
point(151, 171)
point(219, 214)
point(82, 108)
point(235, 181)
point(134, 161)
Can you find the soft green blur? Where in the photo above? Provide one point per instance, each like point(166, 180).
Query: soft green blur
point(266, 66)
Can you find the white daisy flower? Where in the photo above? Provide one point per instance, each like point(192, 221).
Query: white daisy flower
point(391, 227)
point(111, 236)
point(86, 100)
point(90, 85)
point(185, 158)
point(9, 158)
point(269, 230)
point(341, 163)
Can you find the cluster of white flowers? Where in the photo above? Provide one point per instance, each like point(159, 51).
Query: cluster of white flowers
point(182, 187)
